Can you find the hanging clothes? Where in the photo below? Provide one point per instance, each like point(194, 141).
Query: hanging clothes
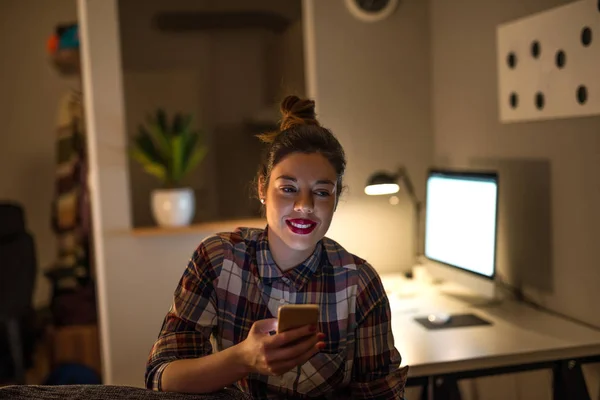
point(71, 220)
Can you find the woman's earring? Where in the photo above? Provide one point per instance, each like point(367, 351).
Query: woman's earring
point(262, 201)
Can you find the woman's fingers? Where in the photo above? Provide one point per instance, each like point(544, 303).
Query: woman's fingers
point(293, 350)
point(283, 366)
point(286, 350)
point(287, 337)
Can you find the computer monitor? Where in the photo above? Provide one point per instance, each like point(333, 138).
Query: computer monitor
point(461, 218)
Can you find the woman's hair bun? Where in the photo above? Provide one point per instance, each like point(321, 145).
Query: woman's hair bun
point(294, 112)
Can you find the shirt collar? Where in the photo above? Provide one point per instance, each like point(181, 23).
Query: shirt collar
point(298, 276)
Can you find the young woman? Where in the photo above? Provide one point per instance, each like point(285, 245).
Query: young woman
point(235, 282)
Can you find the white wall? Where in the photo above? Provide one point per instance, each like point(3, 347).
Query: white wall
point(371, 83)
point(464, 64)
point(30, 91)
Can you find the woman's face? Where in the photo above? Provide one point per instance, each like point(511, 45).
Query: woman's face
point(300, 200)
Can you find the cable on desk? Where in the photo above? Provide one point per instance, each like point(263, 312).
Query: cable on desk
point(520, 296)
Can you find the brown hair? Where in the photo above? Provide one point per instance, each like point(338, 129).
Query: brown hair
point(300, 132)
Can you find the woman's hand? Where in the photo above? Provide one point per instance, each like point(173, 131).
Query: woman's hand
point(277, 354)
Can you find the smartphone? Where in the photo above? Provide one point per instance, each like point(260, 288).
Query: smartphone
point(292, 316)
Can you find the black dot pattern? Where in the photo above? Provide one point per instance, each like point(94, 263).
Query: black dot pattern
point(540, 101)
point(514, 100)
point(536, 49)
point(561, 59)
point(586, 36)
point(582, 94)
point(511, 60)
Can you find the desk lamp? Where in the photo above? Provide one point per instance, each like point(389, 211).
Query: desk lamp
point(382, 183)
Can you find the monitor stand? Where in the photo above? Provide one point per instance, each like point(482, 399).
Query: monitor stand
point(472, 299)
point(469, 288)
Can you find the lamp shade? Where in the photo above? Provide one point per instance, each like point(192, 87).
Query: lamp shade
point(382, 183)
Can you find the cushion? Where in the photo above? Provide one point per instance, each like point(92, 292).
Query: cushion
point(105, 392)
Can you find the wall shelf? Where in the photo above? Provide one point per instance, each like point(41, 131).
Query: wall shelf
point(186, 21)
point(200, 228)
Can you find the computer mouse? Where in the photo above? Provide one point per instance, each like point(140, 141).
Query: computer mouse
point(439, 318)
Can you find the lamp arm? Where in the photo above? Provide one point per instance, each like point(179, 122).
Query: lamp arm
point(403, 174)
point(418, 253)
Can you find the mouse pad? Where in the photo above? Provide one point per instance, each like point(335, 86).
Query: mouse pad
point(457, 321)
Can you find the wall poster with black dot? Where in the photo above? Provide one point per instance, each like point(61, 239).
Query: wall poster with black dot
point(549, 64)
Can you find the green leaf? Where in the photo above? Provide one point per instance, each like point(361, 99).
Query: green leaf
point(149, 165)
point(190, 141)
point(160, 140)
point(156, 170)
point(177, 164)
point(197, 156)
point(145, 144)
point(168, 149)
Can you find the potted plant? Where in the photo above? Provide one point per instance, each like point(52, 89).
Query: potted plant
point(170, 150)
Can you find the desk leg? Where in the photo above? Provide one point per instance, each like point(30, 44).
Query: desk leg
point(427, 390)
point(441, 389)
point(569, 382)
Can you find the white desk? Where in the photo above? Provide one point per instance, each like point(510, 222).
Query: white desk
point(520, 337)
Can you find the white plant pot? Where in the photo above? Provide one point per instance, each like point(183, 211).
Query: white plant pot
point(173, 207)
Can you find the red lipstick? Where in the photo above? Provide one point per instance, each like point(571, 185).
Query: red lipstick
point(301, 226)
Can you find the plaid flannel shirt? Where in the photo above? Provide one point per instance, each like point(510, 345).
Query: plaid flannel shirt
point(232, 281)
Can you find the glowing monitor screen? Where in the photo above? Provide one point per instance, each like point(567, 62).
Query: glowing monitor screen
point(461, 218)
